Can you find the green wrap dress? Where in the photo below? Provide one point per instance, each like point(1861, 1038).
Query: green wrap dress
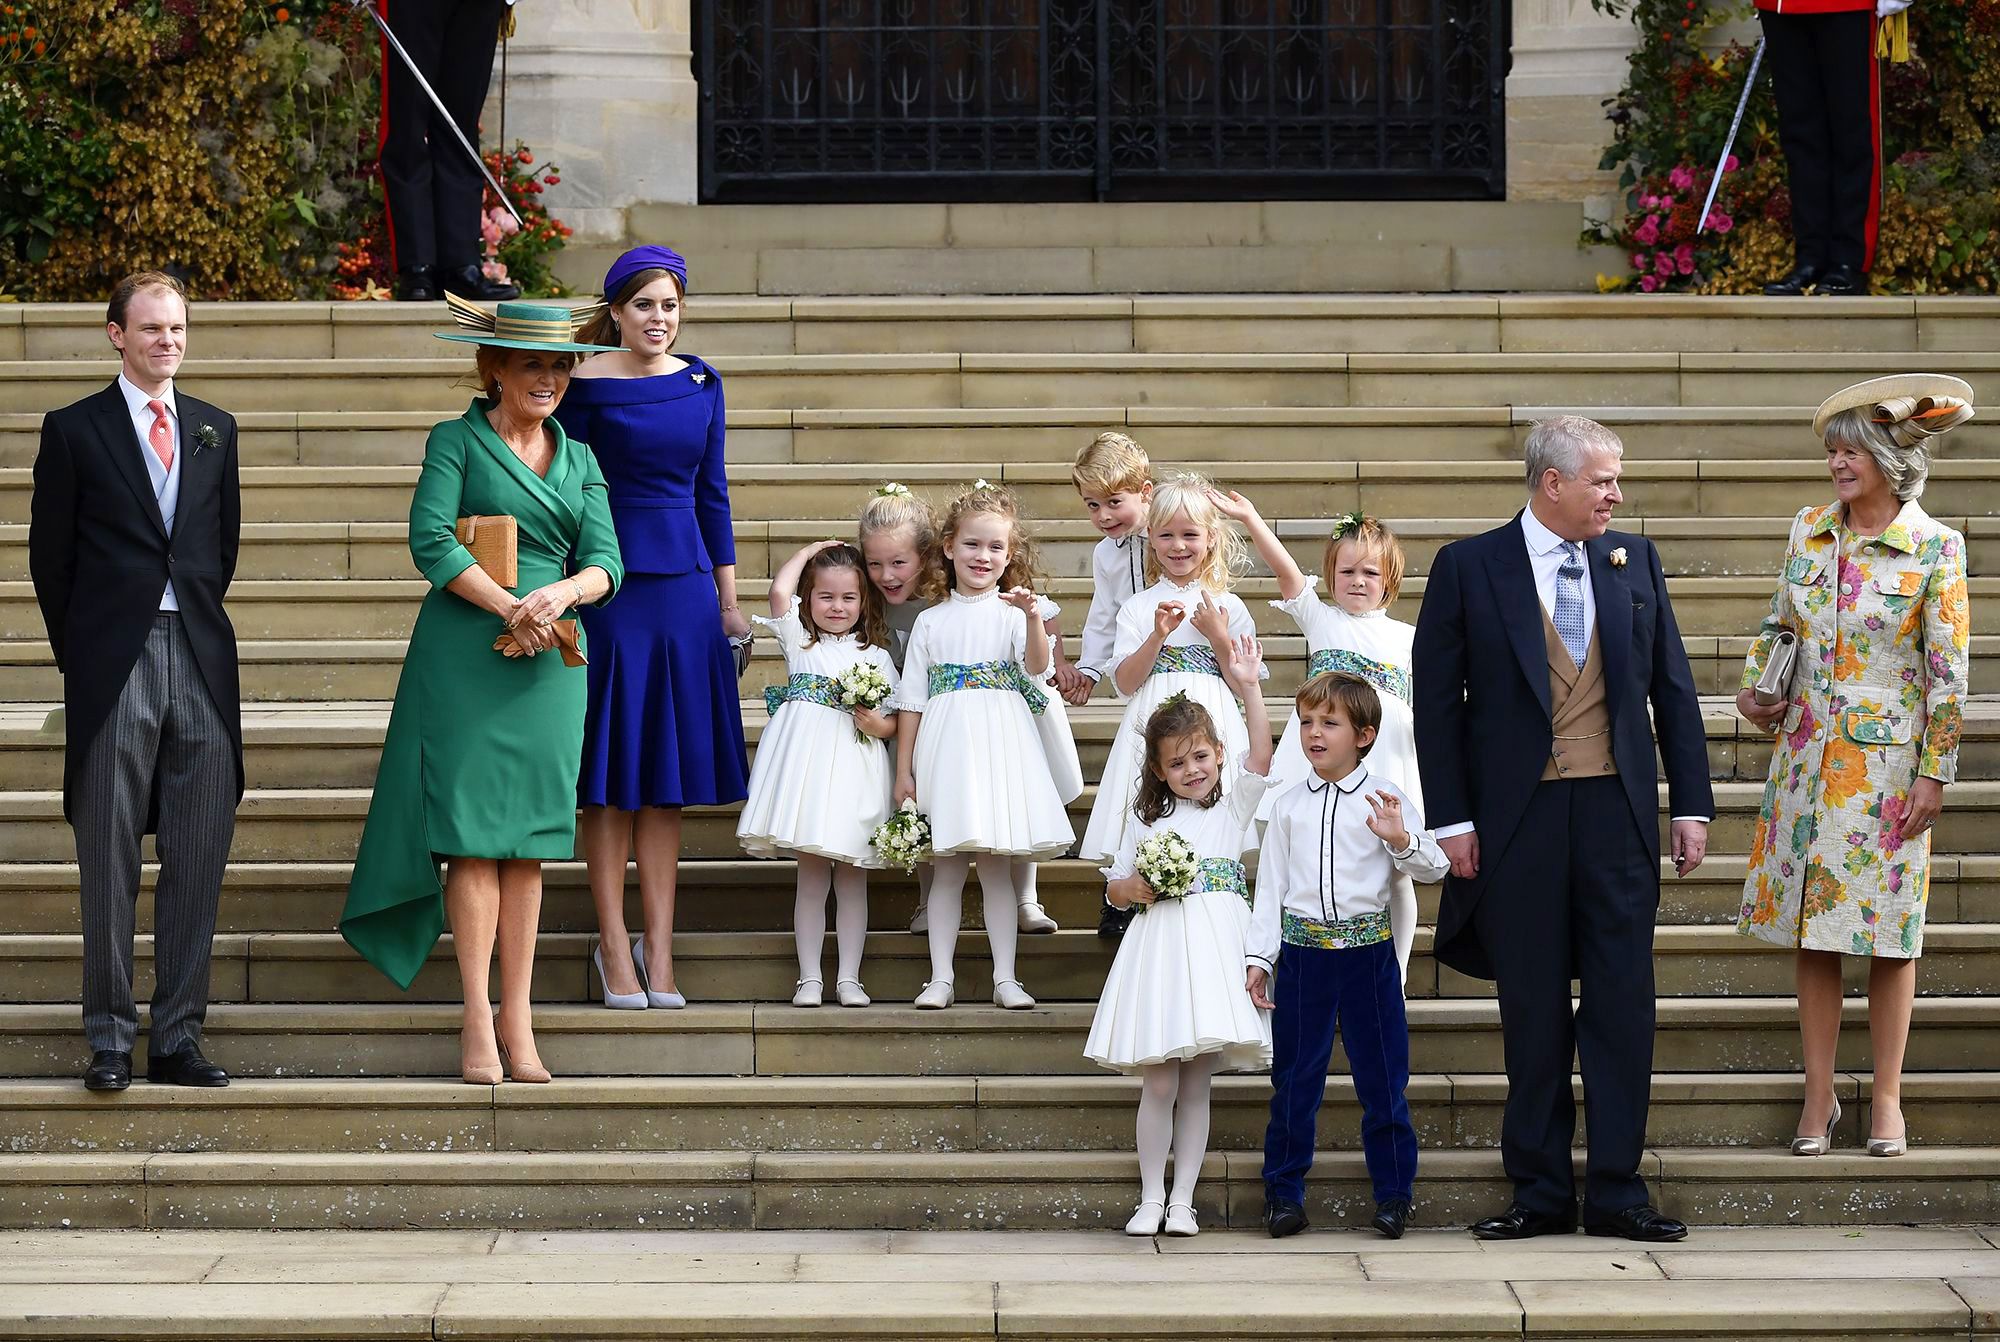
point(482, 751)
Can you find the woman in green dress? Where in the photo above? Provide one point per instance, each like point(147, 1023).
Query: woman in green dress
point(479, 767)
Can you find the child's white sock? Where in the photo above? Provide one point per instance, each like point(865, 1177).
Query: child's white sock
point(944, 907)
point(1191, 1124)
point(850, 918)
point(809, 913)
point(1159, 1084)
point(996, 883)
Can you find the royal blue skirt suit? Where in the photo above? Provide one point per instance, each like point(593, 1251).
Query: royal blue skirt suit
point(663, 725)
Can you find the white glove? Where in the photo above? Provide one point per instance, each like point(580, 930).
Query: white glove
point(1884, 8)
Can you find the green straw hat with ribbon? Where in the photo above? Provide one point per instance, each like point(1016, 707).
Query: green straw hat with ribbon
point(517, 325)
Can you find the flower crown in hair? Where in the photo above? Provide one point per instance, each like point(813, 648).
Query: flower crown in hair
point(980, 484)
point(1177, 697)
point(892, 490)
point(1345, 523)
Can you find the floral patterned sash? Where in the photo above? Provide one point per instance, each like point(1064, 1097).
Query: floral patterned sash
point(1362, 930)
point(1221, 875)
point(805, 689)
point(1197, 660)
point(1383, 676)
point(949, 676)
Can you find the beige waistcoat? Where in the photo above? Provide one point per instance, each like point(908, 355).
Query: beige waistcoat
point(1582, 719)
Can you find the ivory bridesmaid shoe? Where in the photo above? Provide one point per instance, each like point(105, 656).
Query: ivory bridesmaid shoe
point(1146, 1220)
point(936, 996)
point(1010, 994)
point(1034, 918)
point(1180, 1221)
point(807, 993)
point(851, 993)
point(617, 1001)
point(1819, 1146)
point(667, 1001)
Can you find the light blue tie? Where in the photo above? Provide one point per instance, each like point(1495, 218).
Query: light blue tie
point(1569, 603)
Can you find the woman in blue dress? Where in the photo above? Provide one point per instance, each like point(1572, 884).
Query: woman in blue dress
point(664, 728)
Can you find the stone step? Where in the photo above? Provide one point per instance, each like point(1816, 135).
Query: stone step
point(800, 1190)
point(1172, 434)
point(320, 824)
point(1103, 324)
point(1696, 1034)
point(997, 1113)
point(856, 381)
point(745, 895)
point(276, 968)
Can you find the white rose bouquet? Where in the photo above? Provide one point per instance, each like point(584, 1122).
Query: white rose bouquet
point(1167, 863)
point(862, 686)
point(904, 839)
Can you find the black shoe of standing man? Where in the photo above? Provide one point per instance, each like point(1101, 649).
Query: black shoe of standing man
point(1392, 1217)
point(1283, 1217)
point(1841, 280)
point(1801, 279)
point(1111, 923)
point(109, 1069)
point(417, 286)
point(185, 1068)
point(471, 282)
point(1517, 1222)
point(1641, 1223)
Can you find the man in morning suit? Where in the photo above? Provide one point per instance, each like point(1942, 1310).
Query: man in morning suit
point(132, 544)
point(1538, 649)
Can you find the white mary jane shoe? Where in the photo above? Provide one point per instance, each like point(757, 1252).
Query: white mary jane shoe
point(1146, 1220)
point(665, 1001)
point(1034, 918)
point(936, 996)
point(807, 993)
point(920, 921)
point(851, 993)
point(1180, 1221)
point(1010, 994)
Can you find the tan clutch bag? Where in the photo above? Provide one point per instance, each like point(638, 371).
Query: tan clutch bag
point(494, 542)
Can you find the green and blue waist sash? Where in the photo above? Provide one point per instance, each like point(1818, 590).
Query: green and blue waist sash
point(1364, 929)
point(1383, 676)
point(1222, 876)
point(947, 677)
point(803, 688)
point(1196, 659)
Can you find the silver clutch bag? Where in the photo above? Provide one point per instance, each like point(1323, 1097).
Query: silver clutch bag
point(1775, 685)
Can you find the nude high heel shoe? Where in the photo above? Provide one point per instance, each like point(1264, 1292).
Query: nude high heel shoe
point(1818, 1146)
point(476, 1076)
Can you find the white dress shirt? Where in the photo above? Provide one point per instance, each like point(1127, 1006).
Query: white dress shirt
point(1323, 869)
point(1118, 572)
point(166, 481)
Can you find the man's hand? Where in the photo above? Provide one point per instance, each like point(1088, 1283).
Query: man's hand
point(1690, 845)
point(1463, 850)
point(1258, 982)
point(1079, 696)
point(1068, 680)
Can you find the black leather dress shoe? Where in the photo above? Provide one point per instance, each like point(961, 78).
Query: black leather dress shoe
point(1841, 280)
point(1517, 1222)
point(109, 1070)
point(470, 282)
point(1111, 923)
point(1641, 1223)
point(185, 1068)
point(1392, 1217)
point(1801, 279)
point(1283, 1217)
point(417, 286)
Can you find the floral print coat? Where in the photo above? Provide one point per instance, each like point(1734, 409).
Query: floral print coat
point(1884, 636)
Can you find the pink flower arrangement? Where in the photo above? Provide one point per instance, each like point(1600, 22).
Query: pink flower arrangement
point(1663, 238)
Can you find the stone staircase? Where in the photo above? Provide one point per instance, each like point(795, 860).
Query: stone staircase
point(744, 1112)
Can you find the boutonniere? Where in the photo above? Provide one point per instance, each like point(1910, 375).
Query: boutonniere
point(205, 436)
point(1618, 557)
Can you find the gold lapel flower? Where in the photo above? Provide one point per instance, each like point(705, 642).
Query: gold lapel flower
point(1618, 557)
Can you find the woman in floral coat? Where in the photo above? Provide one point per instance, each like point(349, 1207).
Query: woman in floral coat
point(1874, 590)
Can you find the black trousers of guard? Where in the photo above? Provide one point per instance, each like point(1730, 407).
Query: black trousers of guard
point(434, 189)
point(1829, 91)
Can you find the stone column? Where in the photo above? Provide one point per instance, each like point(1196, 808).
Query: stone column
point(604, 89)
point(1568, 59)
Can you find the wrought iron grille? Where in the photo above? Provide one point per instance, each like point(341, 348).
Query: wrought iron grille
point(816, 100)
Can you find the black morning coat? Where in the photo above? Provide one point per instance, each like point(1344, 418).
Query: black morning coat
point(1481, 699)
point(100, 557)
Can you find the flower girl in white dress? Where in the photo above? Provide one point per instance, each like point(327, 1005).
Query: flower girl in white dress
point(1172, 638)
point(821, 781)
point(968, 749)
point(1363, 568)
point(1174, 1006)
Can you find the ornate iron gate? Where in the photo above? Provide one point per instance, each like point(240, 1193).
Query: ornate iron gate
point(819, 100)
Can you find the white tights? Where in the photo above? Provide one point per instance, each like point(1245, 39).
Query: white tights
point(947, 906)
point(1173, 1115)
point(850, 892)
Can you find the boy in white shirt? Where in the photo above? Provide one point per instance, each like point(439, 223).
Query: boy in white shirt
point(1321, 922)
point(1115, 478)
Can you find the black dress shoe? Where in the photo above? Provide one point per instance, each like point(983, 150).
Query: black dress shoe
point(1640, 1223)
point(109, 1069)
point(471, 282)
point(417, 286)
point(1111, 923)
point(1283, 1217)
point(185, 1068)
point(1841, 280)
point(1392, 1217)
point(1517, 1222)
point(1794, 284)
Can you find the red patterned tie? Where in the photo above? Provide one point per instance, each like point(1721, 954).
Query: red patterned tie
point(161, 435)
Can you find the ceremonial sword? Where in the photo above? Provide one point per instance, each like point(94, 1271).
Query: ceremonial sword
point(1735, 124)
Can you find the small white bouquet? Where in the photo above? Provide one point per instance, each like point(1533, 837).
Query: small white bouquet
point(862, 686)
point(1167, 863)
point(904, 839)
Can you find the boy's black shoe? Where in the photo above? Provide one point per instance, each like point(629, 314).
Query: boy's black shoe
point(1283, 1217)
point(1392, 1217)
point(1111, 923)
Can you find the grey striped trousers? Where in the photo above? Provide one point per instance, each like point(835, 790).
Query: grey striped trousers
point(164, 736)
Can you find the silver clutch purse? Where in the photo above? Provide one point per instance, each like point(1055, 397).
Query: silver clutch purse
point(1775, 685)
